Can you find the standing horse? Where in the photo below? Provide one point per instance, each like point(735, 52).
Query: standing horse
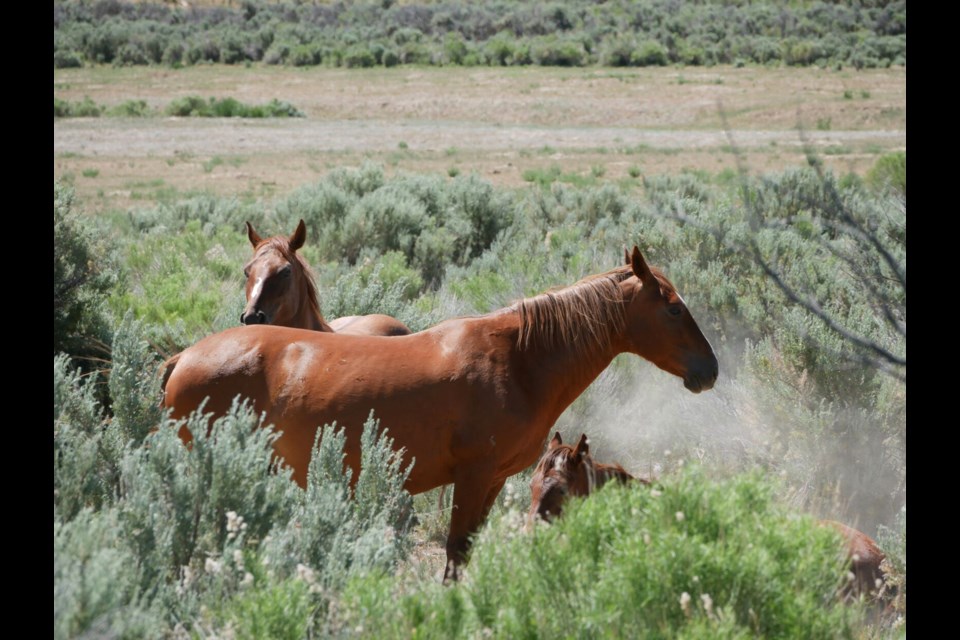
point(281, 291)
point(566, 471)
point(470, 400)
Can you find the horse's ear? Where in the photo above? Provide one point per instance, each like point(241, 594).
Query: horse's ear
point(582, 448)
point(555, 442)
point(299, 236)
point(253, 235)
point(626, 256)
point(640, 268)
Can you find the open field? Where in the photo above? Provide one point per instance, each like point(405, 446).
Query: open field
point(504, 124)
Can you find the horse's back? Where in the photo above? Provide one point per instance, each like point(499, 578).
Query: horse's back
point(220, 366)
point(864, 553)
point(375, 324)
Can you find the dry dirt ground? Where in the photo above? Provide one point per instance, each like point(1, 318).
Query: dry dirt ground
point(504, 124)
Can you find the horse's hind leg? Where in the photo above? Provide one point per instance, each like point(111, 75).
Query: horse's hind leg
point(473, 495)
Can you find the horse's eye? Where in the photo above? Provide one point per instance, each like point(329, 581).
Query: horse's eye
point(675, 309)
point(285, 272)
point(246, 273)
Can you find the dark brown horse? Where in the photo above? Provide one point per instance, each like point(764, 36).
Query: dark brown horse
point(470, 399)
point(566, 471)
point(281, 290)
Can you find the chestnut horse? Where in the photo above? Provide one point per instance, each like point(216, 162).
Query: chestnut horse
point(281, 291)
point(566, 471)
point(470, 400)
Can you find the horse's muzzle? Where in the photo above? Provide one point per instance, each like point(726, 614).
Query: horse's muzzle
point(702, 378)
point(254, 317)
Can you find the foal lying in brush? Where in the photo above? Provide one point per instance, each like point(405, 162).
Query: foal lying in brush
point(566, 470)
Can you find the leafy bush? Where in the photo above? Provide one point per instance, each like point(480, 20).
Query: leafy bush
point(61, 108)
point(151, 537)
point(359, 56)
point(698, 557)
point(96, 585)
point(506, 32)
point(67, 59)
point(195, 106)
point(561, 52)
point(82, 275)
point(890, 172)
point(649, 53)
point(130, 109)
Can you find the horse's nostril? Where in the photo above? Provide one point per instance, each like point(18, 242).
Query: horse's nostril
point(257, 317)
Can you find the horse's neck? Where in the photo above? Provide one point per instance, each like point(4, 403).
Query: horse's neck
point(599, 474)
point(308, 315)
point(556, 376)
point(311, 319)
point(608, 472)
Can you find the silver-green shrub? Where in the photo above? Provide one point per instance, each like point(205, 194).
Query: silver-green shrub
point(339, 531)
point(153, 535)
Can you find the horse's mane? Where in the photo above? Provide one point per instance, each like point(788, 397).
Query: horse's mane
point(587, 312)
point(584, 313)
point(282, 245)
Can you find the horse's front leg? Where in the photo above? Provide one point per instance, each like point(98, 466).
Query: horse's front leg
point(473, 495)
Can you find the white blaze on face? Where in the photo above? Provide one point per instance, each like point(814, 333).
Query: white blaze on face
point(560, 463)
point(257, 288)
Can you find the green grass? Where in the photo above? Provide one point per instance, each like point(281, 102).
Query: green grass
point(131, 109)
point(212, 163)
point(637, 148)
point(91, 173)
point(547, 176)
point(837, 150)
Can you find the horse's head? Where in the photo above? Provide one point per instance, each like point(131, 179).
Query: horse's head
point(566, 471)
point(279, 284)
point(563, 471)
point(661, 329)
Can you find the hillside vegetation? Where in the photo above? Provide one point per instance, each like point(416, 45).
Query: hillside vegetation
point(494, 32)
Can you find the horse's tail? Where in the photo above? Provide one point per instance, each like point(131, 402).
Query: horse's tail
point(167, 370)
